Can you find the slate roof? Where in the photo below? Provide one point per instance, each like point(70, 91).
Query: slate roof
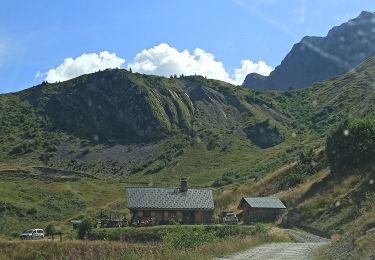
point(263, 202)
point(169, 198)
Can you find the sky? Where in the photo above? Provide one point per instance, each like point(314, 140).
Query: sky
point(221, 39)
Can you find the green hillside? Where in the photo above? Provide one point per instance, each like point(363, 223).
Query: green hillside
point(69, 149)
point(115, 124)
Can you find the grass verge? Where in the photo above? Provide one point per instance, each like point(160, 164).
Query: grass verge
point(164, 249)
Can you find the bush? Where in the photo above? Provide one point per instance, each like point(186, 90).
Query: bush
point(32, 211)
point(84, 228)
point(22, 148)
point(351, 145)
point(290, 179)
point(175, 236)
point(225, 231)
point(308, 164)
point(182, 238)
point(226, 179)
point(133, 235)
point(262, 230)
point(50, 230)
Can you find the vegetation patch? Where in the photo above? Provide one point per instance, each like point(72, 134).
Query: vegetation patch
point(308, 164)
point(351, 145)
point(264, 135)
point(218, 241)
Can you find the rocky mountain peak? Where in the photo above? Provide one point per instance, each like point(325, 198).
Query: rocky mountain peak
point(315, 58)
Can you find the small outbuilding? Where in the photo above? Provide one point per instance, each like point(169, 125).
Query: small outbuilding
point(165, 205)
point(260, 209)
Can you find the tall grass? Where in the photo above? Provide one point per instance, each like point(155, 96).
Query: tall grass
point(178, 247)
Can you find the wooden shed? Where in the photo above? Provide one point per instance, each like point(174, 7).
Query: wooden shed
point(165, 205)
point(260, 209)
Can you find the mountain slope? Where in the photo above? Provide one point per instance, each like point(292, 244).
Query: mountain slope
point(315, 59)
point(58, 139)
point(328, 102)
point(127, 125)
point(121, 123)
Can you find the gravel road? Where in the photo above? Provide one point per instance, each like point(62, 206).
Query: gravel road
point(302, 249)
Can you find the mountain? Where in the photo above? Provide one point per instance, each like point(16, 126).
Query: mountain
point(80, 142)
point(118, 122)
point(314, 59)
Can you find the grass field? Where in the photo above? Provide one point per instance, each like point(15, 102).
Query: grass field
point(32, 200)
point(197, 242)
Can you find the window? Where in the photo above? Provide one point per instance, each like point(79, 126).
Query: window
point(172, 214)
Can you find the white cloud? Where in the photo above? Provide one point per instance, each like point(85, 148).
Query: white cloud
point(165, 60)
point(162, 60)
point(86, 63)
point(40, 75)
point(247, 67)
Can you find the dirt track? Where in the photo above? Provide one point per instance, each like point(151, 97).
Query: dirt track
point(302, 249)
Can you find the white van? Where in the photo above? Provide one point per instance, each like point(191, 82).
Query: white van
point(32, 234)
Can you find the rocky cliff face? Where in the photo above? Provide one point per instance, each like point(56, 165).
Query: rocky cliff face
point(315, 59)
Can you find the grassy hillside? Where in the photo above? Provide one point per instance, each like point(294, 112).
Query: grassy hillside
point(322, 198)
point(327, 103)
point(31, 198)
point(142, 128)
point(69, 149)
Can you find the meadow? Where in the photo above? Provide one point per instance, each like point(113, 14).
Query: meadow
point(176, 242)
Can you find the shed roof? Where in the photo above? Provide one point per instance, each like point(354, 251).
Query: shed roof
point(169, 198)
point(262, 202)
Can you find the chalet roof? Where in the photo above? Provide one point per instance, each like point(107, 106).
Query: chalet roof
point(262, 202)
point(169, 198)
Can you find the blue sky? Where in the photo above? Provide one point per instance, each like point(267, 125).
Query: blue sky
point(37, 36)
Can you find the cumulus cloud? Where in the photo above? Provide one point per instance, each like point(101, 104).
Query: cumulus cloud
point(165, 60)
point(247, 67)
point(162, 60)
point(86, 63)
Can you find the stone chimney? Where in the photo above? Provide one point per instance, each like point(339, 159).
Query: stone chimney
point(184, 185)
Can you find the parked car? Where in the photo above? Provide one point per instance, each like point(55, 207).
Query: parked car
point(229, 218)
point(35, 233)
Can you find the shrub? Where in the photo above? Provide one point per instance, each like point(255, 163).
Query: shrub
point(308, 164)
point(84, 228)
point(182, 238)
point(261, 229)
point(226, 179)
point(290, 179)
point(32, 211)
point(225, 231)
point(351, 145)
point(140, 235)
point(50, 230)
point(22, 148)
